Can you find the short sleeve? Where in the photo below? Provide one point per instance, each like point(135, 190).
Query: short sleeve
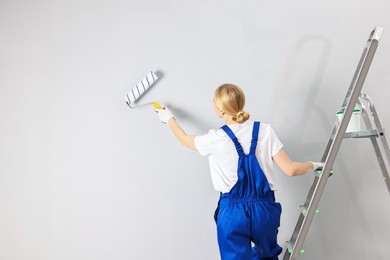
point(275, 144)
point(203, 144)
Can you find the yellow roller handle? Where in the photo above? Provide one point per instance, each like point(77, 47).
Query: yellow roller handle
point(157, 105)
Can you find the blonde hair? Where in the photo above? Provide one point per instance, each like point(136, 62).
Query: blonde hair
point(231, 99)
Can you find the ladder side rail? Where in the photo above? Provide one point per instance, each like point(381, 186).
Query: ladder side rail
point(375, 35)
point(354, 79)
point(385, 146)
point(369, 125)
point(301, 216)
point(377, 150)
point(308, 198)
point(384, 165)
point(357, 84)
point(382, 136)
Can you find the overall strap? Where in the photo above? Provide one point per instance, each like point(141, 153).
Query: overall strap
point(255, 135)
point(230, 133)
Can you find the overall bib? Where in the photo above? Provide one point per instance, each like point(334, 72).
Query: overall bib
point(248, 213)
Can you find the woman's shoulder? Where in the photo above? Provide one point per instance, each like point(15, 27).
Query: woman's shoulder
point(248, 125)
point(216, 132)
point(264, 126)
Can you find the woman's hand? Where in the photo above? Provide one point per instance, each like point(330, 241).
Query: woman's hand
point(164, 114)
point(167, 117)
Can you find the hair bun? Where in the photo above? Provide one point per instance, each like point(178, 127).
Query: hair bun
point(241, 117)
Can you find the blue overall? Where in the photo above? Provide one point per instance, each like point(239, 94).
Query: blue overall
point(248, 213)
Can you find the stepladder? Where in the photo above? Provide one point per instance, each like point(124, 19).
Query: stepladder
point(356, 103)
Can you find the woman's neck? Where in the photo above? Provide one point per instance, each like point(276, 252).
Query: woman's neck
point(229, 120)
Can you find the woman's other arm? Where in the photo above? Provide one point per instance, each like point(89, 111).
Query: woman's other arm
point(292, 168)
point(185, 139)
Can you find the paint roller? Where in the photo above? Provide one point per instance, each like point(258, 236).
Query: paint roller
point(140, 89)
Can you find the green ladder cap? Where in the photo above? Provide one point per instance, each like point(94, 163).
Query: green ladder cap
point(290, 250)
point(319, 172)
point(342, 112)
point(302, 251)
point(305, 211)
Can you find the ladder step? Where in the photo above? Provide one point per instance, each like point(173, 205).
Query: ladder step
point(290, 246)
point(362, 134)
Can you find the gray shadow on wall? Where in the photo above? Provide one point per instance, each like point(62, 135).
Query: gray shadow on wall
point(181, 114)
point(291, 68)
point(353, 191)
point(309, 104)
point(184, 116)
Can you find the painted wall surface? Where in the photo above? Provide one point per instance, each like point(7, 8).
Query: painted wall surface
point(84, 177)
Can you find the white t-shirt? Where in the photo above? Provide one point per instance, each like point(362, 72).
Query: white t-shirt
point(223, 157)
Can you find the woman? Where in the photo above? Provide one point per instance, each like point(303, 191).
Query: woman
point(241, 156)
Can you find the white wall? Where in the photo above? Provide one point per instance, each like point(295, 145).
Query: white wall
point(84, 177)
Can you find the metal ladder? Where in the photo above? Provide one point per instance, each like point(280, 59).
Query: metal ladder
point(374, 132)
